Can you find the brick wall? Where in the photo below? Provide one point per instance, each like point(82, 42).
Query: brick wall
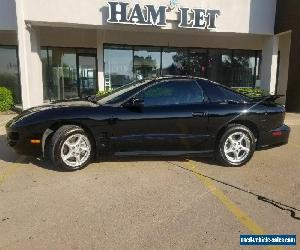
point(288, 18)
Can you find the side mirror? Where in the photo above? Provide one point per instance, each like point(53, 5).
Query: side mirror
point(134, 104)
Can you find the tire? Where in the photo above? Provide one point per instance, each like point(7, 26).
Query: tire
point(236, 146)
point(70, 148)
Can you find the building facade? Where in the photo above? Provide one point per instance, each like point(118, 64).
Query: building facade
point(61, 49)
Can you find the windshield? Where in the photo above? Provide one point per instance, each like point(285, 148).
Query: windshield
point(121, 93)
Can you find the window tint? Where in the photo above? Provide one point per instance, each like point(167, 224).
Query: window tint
point(213, 92)
point(231, 95)
point(175, 92)
point(217, 93)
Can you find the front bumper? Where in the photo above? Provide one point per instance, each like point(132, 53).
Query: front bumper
point(20, 141)
point(275, 137)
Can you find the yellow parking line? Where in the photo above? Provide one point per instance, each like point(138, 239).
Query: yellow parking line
point(249, 223)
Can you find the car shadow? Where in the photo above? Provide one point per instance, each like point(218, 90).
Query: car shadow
point(7, 154)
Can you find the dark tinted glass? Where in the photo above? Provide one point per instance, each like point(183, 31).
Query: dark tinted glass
point(198, 62)
point(217, 93)
point(231, 95)
point(220, 66)
point(244, 66)
point(173, 92)
point(213, 93)
point(174, 61)
point(9, 71)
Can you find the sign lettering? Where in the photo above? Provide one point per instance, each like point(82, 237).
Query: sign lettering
point(119, 12)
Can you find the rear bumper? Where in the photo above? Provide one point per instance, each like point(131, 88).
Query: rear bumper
point(275, 137)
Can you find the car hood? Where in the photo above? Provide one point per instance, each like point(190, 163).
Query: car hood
point(57, 105)
point(61, 104)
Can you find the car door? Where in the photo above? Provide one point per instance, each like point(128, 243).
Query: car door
point(173, 118)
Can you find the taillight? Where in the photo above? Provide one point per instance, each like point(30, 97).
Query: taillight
point(276, 133)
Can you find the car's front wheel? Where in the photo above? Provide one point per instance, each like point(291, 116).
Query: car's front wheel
point(236, 146)
point(70, 148)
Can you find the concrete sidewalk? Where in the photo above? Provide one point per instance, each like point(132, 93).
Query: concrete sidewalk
point(4, 118)
point(292, 119)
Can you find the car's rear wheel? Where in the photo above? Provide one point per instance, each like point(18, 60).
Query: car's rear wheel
point(236, 146)
point(71, 148)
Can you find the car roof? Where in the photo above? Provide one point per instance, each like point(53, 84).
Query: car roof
point(179, 77)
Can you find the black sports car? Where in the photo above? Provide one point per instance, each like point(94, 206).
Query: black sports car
point(164, 116)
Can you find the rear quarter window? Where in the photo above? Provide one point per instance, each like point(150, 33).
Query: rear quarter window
point(217, 93)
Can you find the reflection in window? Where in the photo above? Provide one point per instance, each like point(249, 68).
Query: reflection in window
point(220, 66)
point(198, 62)
point(174, 62)
point(243, 68)
point(146, 62)
point(258, 68)
point(117, 66)
point(9, 71)
point(87, 74)
point(235, 68)
point(60, 72)
point(61, 76)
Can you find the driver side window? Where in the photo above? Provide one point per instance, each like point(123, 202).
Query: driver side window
point(172, 92)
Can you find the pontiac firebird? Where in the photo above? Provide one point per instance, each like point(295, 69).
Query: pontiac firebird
point(159, 117)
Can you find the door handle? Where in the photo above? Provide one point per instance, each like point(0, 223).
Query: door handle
point(199, 114)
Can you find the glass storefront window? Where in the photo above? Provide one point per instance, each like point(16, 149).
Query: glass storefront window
point(61, 69)
point(87, 65)
point(198, 62)
point(146, 62)
point(118, 67)
point(243, 68)
point(220, 66)
point(174, 61)
point(234, 68)
point(9, 71)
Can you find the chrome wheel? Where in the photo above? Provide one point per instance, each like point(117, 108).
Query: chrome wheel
point(76, 150)
point(237, 147)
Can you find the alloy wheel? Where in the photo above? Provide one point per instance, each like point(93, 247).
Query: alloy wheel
point(237, 147)
point(76, 150)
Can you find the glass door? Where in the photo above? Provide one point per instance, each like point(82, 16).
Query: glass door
point(87, 74)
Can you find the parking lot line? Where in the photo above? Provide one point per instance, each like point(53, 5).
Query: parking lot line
point(242, 217)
